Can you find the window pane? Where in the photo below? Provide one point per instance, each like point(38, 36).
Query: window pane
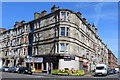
point(63, 13)
point(62, 47)
point(62, 31)
point(67, 47)
point(67, 33)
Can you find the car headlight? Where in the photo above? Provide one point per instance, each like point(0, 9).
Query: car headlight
point(26, 70)
point(17, 69)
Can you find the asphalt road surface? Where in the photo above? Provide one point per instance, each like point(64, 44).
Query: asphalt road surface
point(51, 77)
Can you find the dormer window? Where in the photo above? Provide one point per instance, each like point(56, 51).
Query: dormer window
point(63, 13)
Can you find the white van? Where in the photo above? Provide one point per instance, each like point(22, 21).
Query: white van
point(117, 70)
point(101, 69)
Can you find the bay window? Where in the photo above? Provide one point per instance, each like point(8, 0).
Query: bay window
point(63, 47)
point(64, 31)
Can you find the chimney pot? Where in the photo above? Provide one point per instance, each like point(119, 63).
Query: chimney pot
point(43, 13)
point(93, 25)
point(37, 15)
point(16, 24)
point(84, 19)
point(79, 14)
point(89, 24)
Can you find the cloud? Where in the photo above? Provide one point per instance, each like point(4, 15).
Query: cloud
point(98, 9)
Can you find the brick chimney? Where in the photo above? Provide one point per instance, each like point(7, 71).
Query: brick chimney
point(79, 14)
point(43, 13)
point(37, 15)
point(54, 8)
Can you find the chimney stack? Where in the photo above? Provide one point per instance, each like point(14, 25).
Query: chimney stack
point(16, 24)
point(89, 24)
point(79, 14)
point(43, 13)
point(54, 8)
point(94, 29)
point(84, 20)
point(37, 15)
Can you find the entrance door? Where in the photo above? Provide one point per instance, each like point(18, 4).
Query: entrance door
point(55, 65)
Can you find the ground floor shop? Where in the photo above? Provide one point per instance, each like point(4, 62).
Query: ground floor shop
point(10, 62)
point(47, 63)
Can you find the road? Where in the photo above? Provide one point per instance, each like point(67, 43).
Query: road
point(40, 76)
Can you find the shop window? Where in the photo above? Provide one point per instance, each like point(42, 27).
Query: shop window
point(38, 66)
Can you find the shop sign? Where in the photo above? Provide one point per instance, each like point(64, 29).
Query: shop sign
point(38, 59)
point(68, 58)
point(28, 60)
point(51, 59)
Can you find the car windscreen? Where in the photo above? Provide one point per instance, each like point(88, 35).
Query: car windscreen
point(100, 67)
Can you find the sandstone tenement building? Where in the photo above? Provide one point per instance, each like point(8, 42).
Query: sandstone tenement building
point(60, 39)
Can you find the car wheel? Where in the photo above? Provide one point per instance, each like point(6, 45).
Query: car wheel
point(23, 72)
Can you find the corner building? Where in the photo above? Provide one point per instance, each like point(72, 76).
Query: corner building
point(60, 39)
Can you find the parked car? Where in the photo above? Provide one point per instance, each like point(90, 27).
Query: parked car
point(13, 69)
point(24, 70)
point(101, 69)
point(112, 71)
point(117, 70)
point(4, 68)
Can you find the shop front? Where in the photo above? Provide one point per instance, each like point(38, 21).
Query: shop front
point(85, 65)
point(50, 63)
point(36, 63)
point(70, 62)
